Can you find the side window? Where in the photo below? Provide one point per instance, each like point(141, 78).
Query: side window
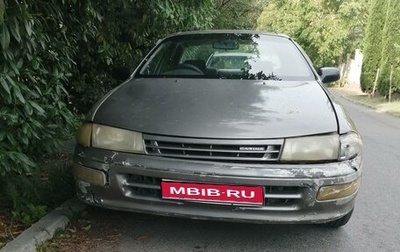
point(161, 60)
point(153, 62)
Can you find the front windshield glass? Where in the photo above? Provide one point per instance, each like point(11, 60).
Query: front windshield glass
point(227, 56)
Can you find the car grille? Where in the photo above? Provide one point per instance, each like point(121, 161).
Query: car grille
point(277, 198)
point(217, 150)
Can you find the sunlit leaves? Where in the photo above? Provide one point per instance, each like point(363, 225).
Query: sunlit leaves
point(322, 27)
point(390, 64)
point(238, 14)
point(373, 44)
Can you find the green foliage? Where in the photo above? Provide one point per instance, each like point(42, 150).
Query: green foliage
point(2, 8)
point(390, 50)
point(119, 33)
point(30, 214)
point(58, 56)
point(354, 27)
point(326, 29)
point(382, 49)
point(238, 14)
point(31, 195)
point(59, 184)
point(34, 66)
point(373, 43)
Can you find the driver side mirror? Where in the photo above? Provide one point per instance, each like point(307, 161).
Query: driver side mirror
point(329, 74)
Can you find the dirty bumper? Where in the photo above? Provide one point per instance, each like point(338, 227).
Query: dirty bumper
point(132, 182)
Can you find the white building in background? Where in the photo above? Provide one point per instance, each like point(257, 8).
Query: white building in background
point(351, 71)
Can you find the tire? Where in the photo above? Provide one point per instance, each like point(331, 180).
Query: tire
point(339, 222)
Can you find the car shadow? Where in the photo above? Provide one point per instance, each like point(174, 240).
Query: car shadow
point(159, 233)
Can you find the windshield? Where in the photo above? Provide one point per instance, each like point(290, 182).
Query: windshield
point(227, 56)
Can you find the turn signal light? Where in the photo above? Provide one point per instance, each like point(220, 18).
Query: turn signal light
point(333, 192)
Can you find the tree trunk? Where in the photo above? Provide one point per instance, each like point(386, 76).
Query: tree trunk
point(390, 83)
point(376, 81)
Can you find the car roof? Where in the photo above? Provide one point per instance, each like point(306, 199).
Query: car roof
point(227, 32)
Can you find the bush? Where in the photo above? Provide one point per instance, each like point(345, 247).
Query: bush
point(390, 51)
point(120, 33)
point(29, 196)
point(35, 63)
point(373, 44)
point(57, 57)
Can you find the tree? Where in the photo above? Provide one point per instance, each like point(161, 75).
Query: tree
point(114, 33)
point(354, 17)
point(326, 29)
point(390, 50)
point(238, 14)
point(373, 43)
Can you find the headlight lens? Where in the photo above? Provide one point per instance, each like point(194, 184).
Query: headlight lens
point(106, 137)
point(314, 148)
point(350, 146)
point(84, 134)
point(333, 192)
point(111, 138)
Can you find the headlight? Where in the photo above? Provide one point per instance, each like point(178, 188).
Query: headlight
point(110, 138)
point(314, 148)
point(84, 134)
point(350, 146)
point(333, 192)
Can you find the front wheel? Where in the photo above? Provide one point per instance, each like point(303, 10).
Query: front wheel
point(339, 222)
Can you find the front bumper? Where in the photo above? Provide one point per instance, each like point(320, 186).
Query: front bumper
point(133, 184)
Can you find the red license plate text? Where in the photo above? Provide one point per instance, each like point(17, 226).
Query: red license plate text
point(213, 193)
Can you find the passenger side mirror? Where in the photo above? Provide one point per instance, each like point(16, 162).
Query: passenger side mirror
point(121, 73)
point(329, 74)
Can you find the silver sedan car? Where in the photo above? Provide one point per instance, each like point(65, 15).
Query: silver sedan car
point(251, 139)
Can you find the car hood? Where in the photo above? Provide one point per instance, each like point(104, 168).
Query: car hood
point(209, 108)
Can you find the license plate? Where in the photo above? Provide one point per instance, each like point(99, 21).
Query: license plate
point(212, 193)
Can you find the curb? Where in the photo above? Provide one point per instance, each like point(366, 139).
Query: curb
point(340, 93)
point(346, 97)
point(45, 228)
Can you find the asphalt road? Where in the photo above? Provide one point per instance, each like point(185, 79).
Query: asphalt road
point(375, 225)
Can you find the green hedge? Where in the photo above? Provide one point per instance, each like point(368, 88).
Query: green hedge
point(390, 50)
point(373, 44)
point(57, 57)
point(34, 67)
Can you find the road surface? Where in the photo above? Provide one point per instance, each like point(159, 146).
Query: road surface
point(375, 225)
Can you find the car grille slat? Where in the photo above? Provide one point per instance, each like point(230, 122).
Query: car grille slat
point(283, 196)
point(141, 185)
point(207, 150)
point(277, 198)
point(214, 157)
point(218, 150)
